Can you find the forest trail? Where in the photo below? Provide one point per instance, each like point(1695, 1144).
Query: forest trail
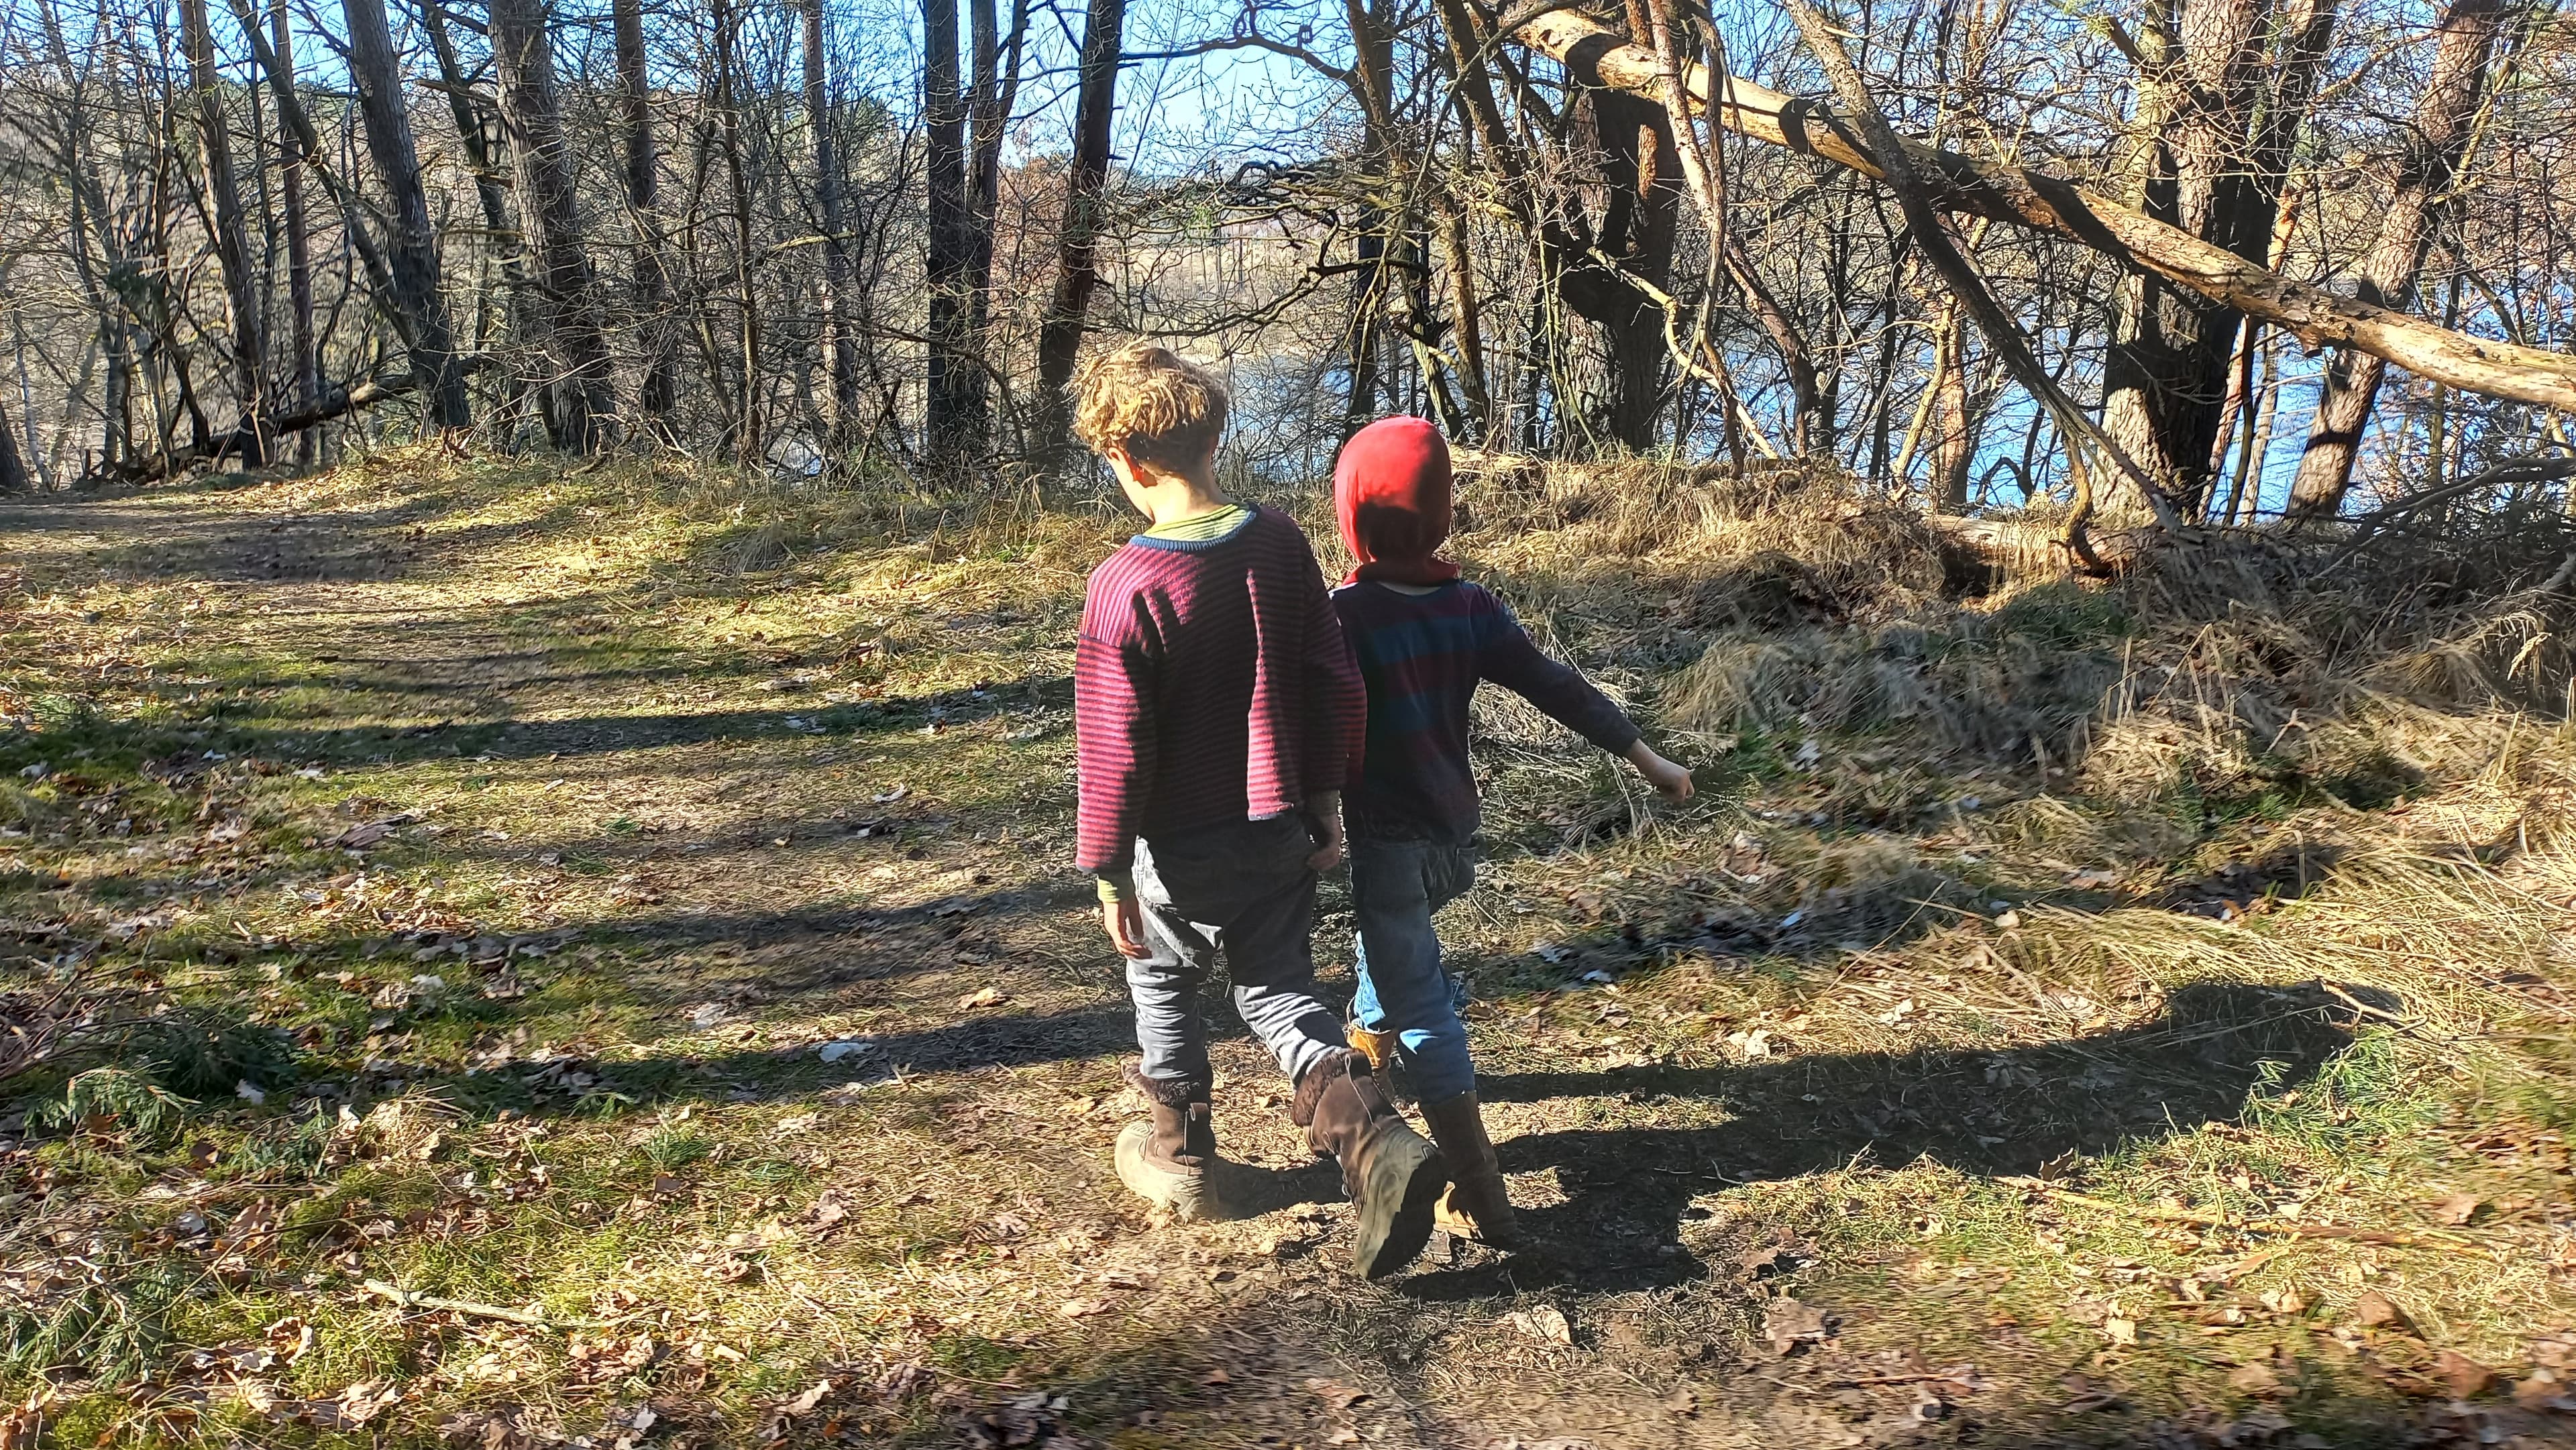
point(690, 999)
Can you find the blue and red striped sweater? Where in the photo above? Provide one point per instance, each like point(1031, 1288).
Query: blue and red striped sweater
point(1422, 656)
point(1210, 684)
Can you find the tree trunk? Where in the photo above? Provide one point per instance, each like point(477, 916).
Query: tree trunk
point(2217, 108)
point(652, 298)
point(13, 465)
point(954, 418)
point(1077, 267)
point(750, 446)
point(412, 268)
point(231, 239)
point(1631, 244)
point(299, 244)
point(840, 349)
point(579, 410)
point(1811, 423)
point(992, 95)
point(2445, 116)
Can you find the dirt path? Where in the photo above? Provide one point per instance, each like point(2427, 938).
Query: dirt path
point(694, 957)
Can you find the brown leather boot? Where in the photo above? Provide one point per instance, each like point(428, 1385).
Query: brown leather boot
point(1475, 1207)
point(1167, 1161)
point(1387, 1168)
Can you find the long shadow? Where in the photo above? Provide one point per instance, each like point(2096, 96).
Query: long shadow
point(2006, 1111)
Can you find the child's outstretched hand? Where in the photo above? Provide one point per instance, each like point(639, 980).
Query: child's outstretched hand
point(1670, 779)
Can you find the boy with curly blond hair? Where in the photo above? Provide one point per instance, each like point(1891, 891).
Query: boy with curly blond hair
point(1217, 708)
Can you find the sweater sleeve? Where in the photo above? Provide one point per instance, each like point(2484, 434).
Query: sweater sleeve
point(1507, 657)
point(1336, 703)
point(1114, 740)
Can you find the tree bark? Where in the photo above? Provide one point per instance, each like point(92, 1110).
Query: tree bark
point(13, 465)
point(652, 294)
point(231, 238)
point(840, 349)
point(992, 95)
point(2219, 106)
point(579, 403)
point(749, 446)
point(1811, 422)
point(412, 267)
point(954, 421)
point(2060, 207)
point(1077, 266)
point(2445, 116)
point(299, 243)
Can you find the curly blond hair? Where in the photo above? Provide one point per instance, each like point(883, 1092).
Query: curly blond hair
point(1159, 406)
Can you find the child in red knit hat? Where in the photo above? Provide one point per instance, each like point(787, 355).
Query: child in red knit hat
point(1424, 639)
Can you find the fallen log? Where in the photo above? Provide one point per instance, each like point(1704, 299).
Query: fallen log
point(2055, 205)
point(338, 400)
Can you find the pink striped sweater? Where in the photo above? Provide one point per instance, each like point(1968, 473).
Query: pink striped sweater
point(1211, 683)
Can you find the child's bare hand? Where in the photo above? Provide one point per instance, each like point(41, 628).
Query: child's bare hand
point(1125, 923)
point(1670, 779)
point(1332, 844)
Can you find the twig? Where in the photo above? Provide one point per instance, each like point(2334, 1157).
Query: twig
point(405, 1299)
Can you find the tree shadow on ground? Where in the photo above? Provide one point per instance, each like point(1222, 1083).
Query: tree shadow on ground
point(2003, 1111)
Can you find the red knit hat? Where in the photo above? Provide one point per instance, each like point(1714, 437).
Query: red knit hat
point(1391, 491)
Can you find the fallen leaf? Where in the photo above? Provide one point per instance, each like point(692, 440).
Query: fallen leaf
point(1339, 1396)
point(1216, 1377)
point(1787, 1323)
point(1545, 1324)
point(988, 997)
point(2459, 1208)
point(2464, 1377)
point(2257, 1378)
point(2118, 1330)
point(846, 1047)
point(2375, 1311)
point(1082, 1308)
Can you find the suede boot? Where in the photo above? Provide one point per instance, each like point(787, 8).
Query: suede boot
point(1166, 1161)
point(1377, 1047)
point(1475, 1207)
point(1390, 1172)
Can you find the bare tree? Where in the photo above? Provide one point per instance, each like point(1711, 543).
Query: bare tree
point(2445, 118)
point(224, 222)
point(578, 401)
point(1077, 265)
point(299, 247)
point(840, 347)
point(651, 295)
point(412, 266)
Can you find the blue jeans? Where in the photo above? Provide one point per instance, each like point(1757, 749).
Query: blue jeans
point(1243, 889)
point(1395, 888)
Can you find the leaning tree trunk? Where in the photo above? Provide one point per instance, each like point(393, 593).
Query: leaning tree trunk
point(542, 165)
point(412, 268)
point(1616, 289)
point(2058, 207)
point(299, 247)
point(232, 242)
point(652, 285)
point(955, 414)
point(840, 348)
point(2445, 116)
point(1077, 265)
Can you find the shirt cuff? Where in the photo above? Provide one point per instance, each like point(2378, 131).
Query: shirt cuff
point(1117, 886)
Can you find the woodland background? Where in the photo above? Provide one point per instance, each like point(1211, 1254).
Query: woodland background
point(843, 239)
